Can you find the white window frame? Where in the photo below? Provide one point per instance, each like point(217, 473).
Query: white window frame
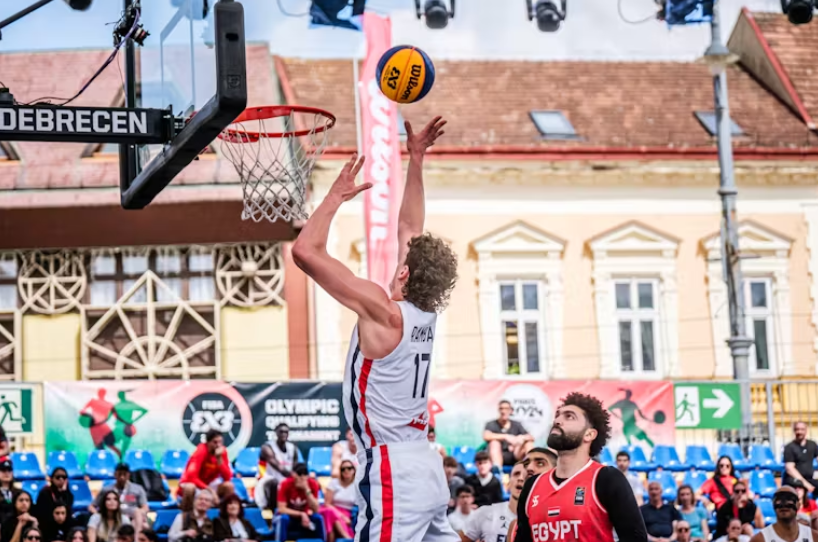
point(767, 257)
point(524, 316)
point(631, 251)
point(636, 315)
point(519, 251)
point(754, 313)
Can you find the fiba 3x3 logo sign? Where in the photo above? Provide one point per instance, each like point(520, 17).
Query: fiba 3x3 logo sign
point(213, 411)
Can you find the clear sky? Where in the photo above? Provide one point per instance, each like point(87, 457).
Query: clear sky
point(481, 29)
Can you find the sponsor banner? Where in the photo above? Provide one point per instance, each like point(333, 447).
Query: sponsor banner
point(161, 415)
point(641, 412)
point(381, 146)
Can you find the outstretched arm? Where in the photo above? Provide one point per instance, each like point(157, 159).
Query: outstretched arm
point(413, 208)
point(365, 298)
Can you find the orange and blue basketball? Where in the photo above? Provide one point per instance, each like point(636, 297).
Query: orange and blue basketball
point(406, 74)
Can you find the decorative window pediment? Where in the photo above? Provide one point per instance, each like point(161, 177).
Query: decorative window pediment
point(753, 239)
point(635, 238)
point(520, 238)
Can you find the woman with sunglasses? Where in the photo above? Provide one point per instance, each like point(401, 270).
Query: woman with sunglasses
point(719, 488)
point(695, 516)
point(741, 507)
point(339, 500)
point(104, 524)
point(56, 491)
point(12, 530)
point(33, 534)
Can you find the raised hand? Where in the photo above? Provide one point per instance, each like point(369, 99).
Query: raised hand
point(420, 142)
point(344, 186)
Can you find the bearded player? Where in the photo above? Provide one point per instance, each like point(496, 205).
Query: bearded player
point(491, 523)
point(402, 490)
point(579, 500)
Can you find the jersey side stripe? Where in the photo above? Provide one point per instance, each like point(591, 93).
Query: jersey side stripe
point(593, 492)
point(387, 495)
point(365, 487)
point(356, 426)
point(362, 384)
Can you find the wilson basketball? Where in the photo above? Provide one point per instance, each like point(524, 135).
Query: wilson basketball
point(406, 74)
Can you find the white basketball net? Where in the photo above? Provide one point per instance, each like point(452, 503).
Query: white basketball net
point(274, 171)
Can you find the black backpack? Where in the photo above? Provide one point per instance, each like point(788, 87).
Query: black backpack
point(152, 482)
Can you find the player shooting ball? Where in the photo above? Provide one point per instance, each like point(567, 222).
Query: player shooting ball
point(404, 490)
point(579, 500)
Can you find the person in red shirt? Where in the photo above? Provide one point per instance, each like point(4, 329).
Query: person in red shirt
point(298, 499)
point(719, 488)
point(208, 467)
point(579, 500)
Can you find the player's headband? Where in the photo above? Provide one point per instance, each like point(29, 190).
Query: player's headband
point(785, 500)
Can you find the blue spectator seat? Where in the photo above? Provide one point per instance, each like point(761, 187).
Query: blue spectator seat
point(762, 483)
point(82, 494)
point(140, 459)
point(66, 460)
point(174, 463)
point(668, 458)
point(161, 525)
point(33, 487)
point(241, 491)
point(320, 460)
point(669, 487)
point(100, 464)
point(606, 457)
point(733, 451)
point(253, 515)
point(639, 463)
point(698, 457)
point(761, 456)
point(281, 525)
point(695, 478)
point(767, 510)
point(213, 513)
point(465, 456)
point(169, 502)
point(26, 466)
point(107, 482)
point(246, 463)
point(299, 455)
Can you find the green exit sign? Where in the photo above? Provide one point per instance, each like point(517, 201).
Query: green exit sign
point(707, 406)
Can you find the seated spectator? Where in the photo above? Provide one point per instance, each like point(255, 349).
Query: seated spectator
point(132, 497)
point(208, 466)
point(193, 525)
point(78, 534)
point(450, 466)
point(740, 506)
point(145, 535)
point(58, 525)
point(463, 509)
point(56, 491)
point(734, 533)
point(279, 457)
point(125, 533)
point(807, 508)
point(5, 447)
point(623, 463)
point(7, 491)
point(487, 488)
point(719, 488)
point(660, 518)
point(20, 519)
point(344, 450)
point(682, 531)
point(104, 524)
point(298, 498)
point(31, 534)
point(436, 446)
point(231, 525)
point(694, 516)
point(507, 440)
point(538, 461)
point(341, 494)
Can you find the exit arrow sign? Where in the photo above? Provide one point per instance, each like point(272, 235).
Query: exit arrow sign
point(707, 406)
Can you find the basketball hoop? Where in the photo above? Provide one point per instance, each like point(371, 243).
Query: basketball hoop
point(274, 149)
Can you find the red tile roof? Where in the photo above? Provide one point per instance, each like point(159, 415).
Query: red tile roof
point(610, 104)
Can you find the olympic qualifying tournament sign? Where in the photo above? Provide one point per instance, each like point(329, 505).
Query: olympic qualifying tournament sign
point(161, 415)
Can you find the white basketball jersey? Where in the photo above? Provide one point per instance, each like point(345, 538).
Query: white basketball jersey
point(804, 534)
point(386, 400)
point(285, 458)
point(490, 523)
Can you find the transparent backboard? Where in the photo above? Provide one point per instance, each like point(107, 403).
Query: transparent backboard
point(177, 64)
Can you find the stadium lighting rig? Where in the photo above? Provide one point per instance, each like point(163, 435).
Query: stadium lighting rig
point(436, 12)
point(79, 5)
point(798, 11)
point(548, 15)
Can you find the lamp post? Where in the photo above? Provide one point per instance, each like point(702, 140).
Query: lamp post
point(718, 57)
